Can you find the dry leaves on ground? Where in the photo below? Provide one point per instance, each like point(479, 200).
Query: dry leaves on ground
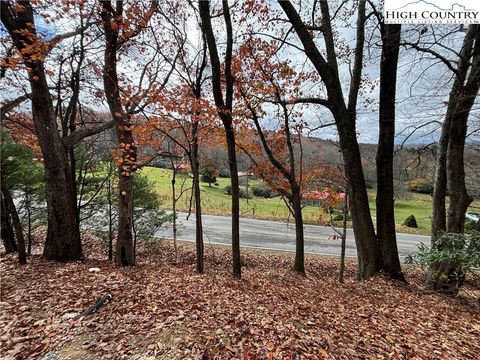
point(165, 311)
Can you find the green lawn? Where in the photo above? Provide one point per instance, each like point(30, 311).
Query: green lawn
point(215, 201)
point(419, 205)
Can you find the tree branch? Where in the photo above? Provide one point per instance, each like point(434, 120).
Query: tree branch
point(310, 100)
point(358, 64)
point(12, 104)
point(83, 133)
point(432, 52)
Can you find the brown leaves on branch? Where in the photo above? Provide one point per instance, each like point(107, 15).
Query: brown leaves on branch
point(170, 312)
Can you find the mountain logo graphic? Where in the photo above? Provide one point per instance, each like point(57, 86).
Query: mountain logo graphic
point(452, 8)
point(429, 12)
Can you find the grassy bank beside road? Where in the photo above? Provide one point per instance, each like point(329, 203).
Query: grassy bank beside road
point(216, 202)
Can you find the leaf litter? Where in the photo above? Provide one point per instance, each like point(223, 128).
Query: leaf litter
point(162, 310)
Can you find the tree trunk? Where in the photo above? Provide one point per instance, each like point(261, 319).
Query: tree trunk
point(447, 276)
point(198, 202)
point(224, 108)
point(232, 164)
point(299, 265)
point(344, 240)
point(174, 210)
point(364, 232)
point(28, 209)
point(459, 198)
point(63, 234)
point(124, 251)
point(110, 218)
point(8, 237)
point(386, 235)
point(459, 106)
point(439, 220)
point(124, 254)
point(11, 212)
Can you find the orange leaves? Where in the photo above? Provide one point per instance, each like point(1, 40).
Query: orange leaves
point(327, 195)
point(21, 128)
point(125, 145)
point(258, 68)
point(35, 50)
point(135, 19)
point(114, 25)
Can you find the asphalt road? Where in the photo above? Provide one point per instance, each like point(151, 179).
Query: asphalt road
point(278, 235)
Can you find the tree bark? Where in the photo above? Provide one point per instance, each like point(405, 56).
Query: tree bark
point(447, 276)
point(386, 235)
point(459, 197)
point(232, 165)
point(224, 108)
point(364, 232)
point(299, 265)
point(439, 219)
point(197, 197)
point(454, 124)
point(63, 235)
point(344, 240)
point(11, 212)
point(174, 209)
point(124, 249)
point(8, 236)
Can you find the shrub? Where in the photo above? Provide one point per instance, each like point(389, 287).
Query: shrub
point(410, 222)
point(421, 186)
point(263, 190)
point(208, 177)
point(242, 191)
point(470, 225)
point(209, 171)
point(424, 189)
point(452, 257)
point(339, 217)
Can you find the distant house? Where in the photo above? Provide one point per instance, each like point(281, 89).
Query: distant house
point(182, 168)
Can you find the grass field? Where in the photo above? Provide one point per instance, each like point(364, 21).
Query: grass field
point(215, 201)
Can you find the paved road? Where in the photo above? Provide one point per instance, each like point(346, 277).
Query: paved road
point(278, 235)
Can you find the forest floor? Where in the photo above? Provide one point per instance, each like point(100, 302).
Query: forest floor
point(164, 311)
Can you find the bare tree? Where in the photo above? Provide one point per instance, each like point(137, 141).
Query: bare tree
point(385, 186)
point(344, 114)
point(450, 171)
point(224, 107)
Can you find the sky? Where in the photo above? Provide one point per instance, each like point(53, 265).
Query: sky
point(422, 87)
